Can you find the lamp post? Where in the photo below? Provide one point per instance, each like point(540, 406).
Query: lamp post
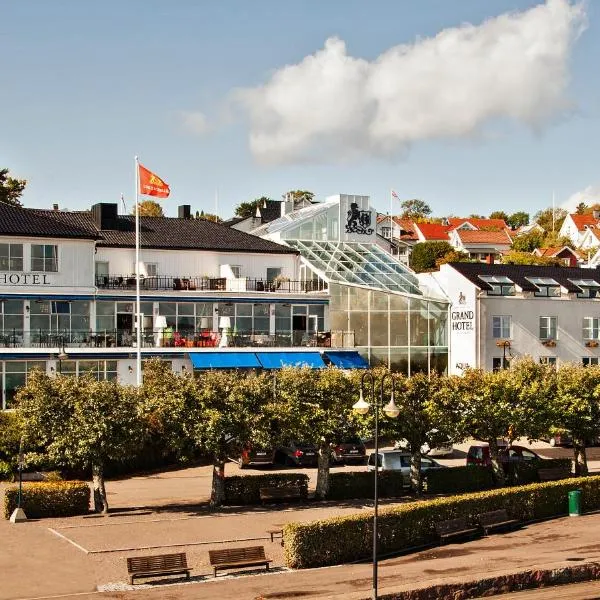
point(391, 410)
point(18, 515)
point(62, 355)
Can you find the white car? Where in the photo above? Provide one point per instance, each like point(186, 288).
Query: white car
point(398, 460)
point(444, 449)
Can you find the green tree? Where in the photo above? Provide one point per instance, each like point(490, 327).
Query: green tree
point(577, 407)
point(526, 258)
point(454, 256)
point(545, 219)
point(248, 209)
point(518, 219)
point(149, 208)
point(11, 189)
point(297, 195)
point(528, 242)
point(209, 217)
point(81, 422)
point(581, 208)
point(425, 254)
point(499, 214)
point(415, 209)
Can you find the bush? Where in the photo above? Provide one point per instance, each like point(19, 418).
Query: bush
point(245, 489)
point(343, 539)
point(359, 484)
point(6, 471)
point(459, 480)
point(49, 499)
point(523, 472)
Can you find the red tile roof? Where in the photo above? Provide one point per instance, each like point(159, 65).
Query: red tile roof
point(582, 220)
point(468, 236)
point(554, 251)
point(455, 222)
point(433, 231)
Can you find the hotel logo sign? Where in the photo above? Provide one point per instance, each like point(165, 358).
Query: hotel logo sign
point(24, 279)
point(358, 221)
point(462, 320)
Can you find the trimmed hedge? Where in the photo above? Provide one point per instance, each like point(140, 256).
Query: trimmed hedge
point(244, 489)
point(344, 539)
point(359, 484)
point(458, 480)
point(49, 499)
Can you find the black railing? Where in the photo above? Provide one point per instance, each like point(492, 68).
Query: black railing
point(206, 284)
point(167, 338)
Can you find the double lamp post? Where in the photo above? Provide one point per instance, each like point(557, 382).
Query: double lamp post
point(390, 409)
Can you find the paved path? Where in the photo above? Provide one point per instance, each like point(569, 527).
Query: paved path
point(579, 591)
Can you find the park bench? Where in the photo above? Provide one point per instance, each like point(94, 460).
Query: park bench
point(231, 558)
point(273, 494)
point(496, 519)
point(454, 528)
point(554, 473)
point(274, 532)
point(154, 566)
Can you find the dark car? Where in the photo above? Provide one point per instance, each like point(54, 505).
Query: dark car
point(350, 450)
point(297, 454)
point(479, 455)
point(255, 455)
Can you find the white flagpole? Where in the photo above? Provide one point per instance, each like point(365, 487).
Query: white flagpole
point(391, 214)
point(138, 333)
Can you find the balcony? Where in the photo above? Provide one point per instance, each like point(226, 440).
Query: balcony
point(208, 284)
point(165, 338)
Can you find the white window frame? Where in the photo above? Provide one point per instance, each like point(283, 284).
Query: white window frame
point(586, 361)
point(548, 328)
point(52, 261)
point(10, 257)
point(591, 328)
point(548, 360)
point(501, 325)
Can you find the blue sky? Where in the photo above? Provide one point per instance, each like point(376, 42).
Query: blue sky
point(86, 86)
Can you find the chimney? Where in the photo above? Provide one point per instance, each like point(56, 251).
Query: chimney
point(184, 211)
point(55, 207)
point(105, 215)
point(596, 214)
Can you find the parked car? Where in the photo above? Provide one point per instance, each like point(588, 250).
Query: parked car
point(255, 455)
point(399, 460)
point(442, 449)
point(297, 454)
point(350, 450)
point(479, 455)
point(562, 438)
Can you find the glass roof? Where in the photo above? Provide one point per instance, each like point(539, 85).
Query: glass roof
point(585, 282)
point(542, 280)
point(359, 264)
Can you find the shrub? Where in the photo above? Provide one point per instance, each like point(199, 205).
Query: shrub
point(522, 472)
point(459, 480)
point(344, 539)
point(359, 484)
point(49, 499)
point(245, 489)
point(6, 471)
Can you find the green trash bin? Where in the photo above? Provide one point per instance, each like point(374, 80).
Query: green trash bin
point(575, 503)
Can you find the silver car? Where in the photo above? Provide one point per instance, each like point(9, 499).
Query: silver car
point(396, 460)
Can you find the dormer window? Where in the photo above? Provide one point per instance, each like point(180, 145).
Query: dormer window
point(546, 287)
point(500, 285)
point(589, 288)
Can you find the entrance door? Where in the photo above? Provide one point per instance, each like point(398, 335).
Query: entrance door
point(299, 324)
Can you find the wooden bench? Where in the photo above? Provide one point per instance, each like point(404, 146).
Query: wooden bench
point(454, 528)
point(554, 473)
point(273, 494)
point(274, 532)
point(231, 558)
point(496, 519)
point(154, 566)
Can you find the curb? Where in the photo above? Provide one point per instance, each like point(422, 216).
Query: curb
point(503, 584)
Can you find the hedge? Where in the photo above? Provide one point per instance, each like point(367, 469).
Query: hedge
point(344, 539)
point(244, 489)
point(49, 499)
point(458, 480)
point(359, 484)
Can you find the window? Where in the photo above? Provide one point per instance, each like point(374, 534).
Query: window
point(152, 269)
point(72, 317)
point(501, 326)
point(11, 319)
point(546, 287)
point(501, 286)
point(548, 328)
point(591, 328)
point(499, 362)
point(11, 257)
point(15, 376)
point(386, 232)
point(236, 270)
point(44, 257)
point(586, 361)
point(548, 360)
point(589, 288)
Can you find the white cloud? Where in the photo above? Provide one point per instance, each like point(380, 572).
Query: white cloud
point(590, 196)
point(332, 106)
point(194, 122)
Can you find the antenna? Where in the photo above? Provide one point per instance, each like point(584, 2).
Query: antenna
point(217, 201)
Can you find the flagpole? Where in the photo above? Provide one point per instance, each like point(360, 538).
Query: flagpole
point(391, 214)
point(138, 333)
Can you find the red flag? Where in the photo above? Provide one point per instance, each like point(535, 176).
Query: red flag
point(151, 184)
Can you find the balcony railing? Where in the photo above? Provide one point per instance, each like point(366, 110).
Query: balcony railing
point(207, 284)
point(164, 338)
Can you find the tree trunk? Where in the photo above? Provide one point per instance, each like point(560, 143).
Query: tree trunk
point(217, 496)
point(100, 500)
point(415, 471)
point(323, 471)
point(581, 468)
point(497, 469)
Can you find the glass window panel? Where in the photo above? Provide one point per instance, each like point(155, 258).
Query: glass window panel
point(244, 310)
point(359, 324)
point(39, 307)
point(338, 320)
point(399, 329)
point(13, 381)
point(418, 328)
point(379, 301)
point(167, 309)
point(261, 325)
point(398, 302)
point(105, 308)
point(146, 308)
point(184, 308)
point(299, 310)
point(359, 298)
point(125, 307)
point(226, 309)
point(204, 309)
point(261, 310)
point(379, 329)
point(243, 324)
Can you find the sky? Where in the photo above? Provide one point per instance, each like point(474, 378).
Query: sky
point(471, 106)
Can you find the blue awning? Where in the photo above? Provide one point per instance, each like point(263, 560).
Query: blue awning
point(278, 360)
point(347, 360)
point(224, 360)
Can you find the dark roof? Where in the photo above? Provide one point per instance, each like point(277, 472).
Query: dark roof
point(16, 220)
point(518, 274)
point(234, 221)
point(166, 233)
point(270, 211)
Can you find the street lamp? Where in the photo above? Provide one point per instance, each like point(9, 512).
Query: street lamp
point(62, 355)
point(391, 410)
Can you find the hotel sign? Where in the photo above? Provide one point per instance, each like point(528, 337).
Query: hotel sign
point(24, 279)
point(462, 319)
